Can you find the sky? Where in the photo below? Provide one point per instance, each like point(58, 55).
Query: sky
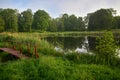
point(57, 7)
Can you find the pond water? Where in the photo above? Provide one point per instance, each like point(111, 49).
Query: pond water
point(82, 44)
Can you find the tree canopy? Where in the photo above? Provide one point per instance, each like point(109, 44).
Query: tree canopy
point(41, 20)
point(2, 23)
point(101, 19)
point(27, 21)
point(10, 17)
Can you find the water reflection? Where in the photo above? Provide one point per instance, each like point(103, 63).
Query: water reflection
point(59, 49)
point(70, 44)
point(85, 46)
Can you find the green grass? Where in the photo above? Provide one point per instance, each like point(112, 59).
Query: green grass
point(22, 39)
point(75, 33)
point(52, 65)
point(55, 68)
point(4, 57)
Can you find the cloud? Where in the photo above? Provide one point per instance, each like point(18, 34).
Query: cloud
point(57, 7)
point(82, 7)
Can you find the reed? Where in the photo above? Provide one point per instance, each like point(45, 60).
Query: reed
point(25, 40)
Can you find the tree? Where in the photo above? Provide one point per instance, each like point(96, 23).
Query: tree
point(106, 47)
point(64, 20)
point(60, 24)
point(86, 21)
point(41, 20)
point(116, 22)
point(101, 20)
point(10, 17)
point(52, 25)
point(25, 21)
point(2, 24)
point(72, 23)
point(80, 24)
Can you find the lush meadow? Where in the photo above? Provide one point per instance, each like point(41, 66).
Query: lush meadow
point(52, 65)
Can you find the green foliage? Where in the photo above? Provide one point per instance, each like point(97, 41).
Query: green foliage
point(116, 22)
point(55, 68)
point(41, 20)
point(106, 47)
point(10, 18)
point(52, 25)
point(100, 20)
point(2, 24)
point(60, 24)
point(25, 21)
point(4, 57)
point(72, 23)
point(24, 40)
point(81, 58)
point(80, 24)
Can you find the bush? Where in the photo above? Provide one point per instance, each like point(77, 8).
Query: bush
point(106, 47)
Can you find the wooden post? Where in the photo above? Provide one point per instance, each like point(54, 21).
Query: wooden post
point(13, 45)
point(35, 50)
point(28, 48)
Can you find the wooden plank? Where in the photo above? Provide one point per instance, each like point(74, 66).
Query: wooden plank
point(13, 52)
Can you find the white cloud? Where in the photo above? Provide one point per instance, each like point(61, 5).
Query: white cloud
point(57, 7)
point(82, 7)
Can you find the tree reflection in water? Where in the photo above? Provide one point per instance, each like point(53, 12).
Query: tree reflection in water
point(84, 44)
point(70, 44)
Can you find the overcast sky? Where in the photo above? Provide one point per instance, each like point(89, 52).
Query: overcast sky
point(57, 7)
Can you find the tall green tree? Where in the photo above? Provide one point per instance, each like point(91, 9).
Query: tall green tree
point(60, 24)
point(80, 24)
point(10, 17)
point(64, 20)
point(52, 25)
point(25, 21)
point(2, 24)
point(72, 23)
point(116, 22)
point(41, 20)
point(101, 19)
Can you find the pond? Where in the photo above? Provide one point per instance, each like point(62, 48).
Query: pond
point(80, 44)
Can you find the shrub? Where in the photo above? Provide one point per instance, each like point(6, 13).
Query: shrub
point(106, 47)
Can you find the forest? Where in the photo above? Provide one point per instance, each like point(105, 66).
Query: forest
point(27, 21)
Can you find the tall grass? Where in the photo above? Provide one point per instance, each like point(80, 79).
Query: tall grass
point(52, 65)
point(24, 39)
point(52, 68)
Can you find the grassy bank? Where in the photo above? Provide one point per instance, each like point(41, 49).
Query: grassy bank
point(55, 68)
point(52, 65)
point(77, 33)
point(23, 40)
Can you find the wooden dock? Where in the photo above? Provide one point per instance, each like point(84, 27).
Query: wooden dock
point(14, 52)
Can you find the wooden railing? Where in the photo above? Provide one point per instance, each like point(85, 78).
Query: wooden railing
point(15, 45)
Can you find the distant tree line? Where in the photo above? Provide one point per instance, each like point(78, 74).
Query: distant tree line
point(103, 19)
point(13, 21)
